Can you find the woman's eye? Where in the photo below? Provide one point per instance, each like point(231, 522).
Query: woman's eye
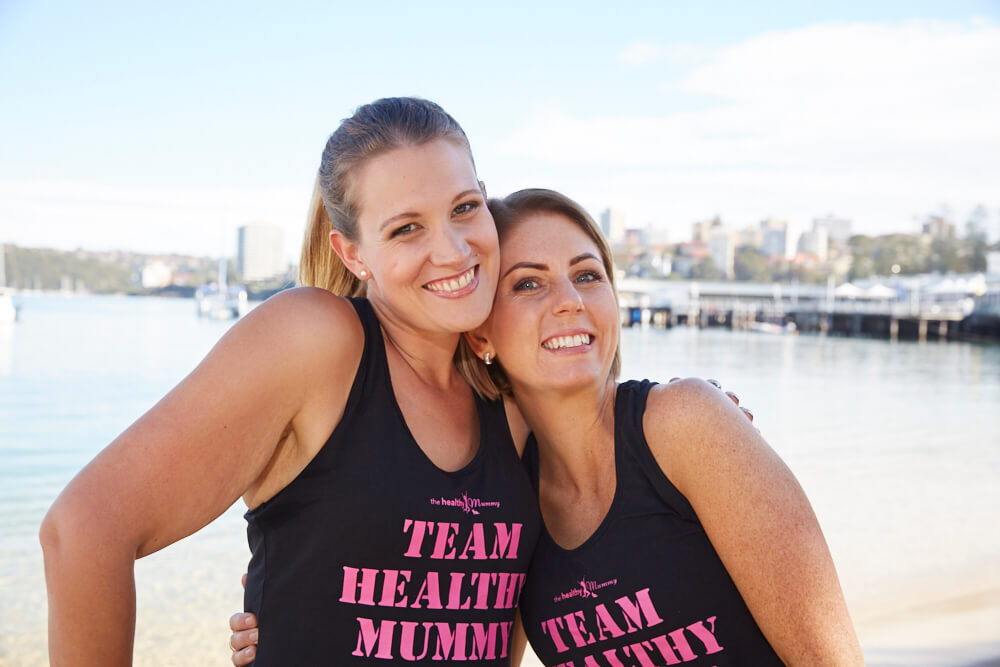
point(589, 277)
point(467, 207)
point(405, 229)
point(526, 284)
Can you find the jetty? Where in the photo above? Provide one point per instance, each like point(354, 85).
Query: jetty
point(916, 308)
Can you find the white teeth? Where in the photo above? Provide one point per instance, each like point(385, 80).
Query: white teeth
point(560, 342)
point(452, 285)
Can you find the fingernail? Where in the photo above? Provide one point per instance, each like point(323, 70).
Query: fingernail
point(674, 379)
point(714, 382)
point(253, 635)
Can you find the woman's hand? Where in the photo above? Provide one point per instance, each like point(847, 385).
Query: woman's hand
point(243, 641)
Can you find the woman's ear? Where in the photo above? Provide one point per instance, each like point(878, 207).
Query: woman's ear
point(479, 341)
point(349, 253)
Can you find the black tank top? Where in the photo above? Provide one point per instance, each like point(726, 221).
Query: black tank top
point(375, 556)
point(646, 588)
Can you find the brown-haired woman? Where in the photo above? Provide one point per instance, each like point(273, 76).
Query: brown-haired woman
point(672, 533)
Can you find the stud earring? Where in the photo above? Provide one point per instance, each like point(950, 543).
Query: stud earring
point(362, 274)
point(487, 359)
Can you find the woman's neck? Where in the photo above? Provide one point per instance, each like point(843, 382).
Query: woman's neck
point(575, 434)
point(429, 355)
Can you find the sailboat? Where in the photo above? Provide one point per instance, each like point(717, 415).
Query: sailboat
point(219, 300)
point(8, 310)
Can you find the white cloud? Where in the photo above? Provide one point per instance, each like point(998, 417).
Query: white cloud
point(877, 122)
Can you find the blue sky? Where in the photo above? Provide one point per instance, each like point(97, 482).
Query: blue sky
point(163, 128)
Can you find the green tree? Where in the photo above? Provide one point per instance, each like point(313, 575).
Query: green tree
point(705, 269)
point(751, 264)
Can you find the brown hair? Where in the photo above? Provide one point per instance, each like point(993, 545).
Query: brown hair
point(374, 129)
point(492, 381)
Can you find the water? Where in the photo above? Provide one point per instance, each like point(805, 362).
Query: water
point(896, 444)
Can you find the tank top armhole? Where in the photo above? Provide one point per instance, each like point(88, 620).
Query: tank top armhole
point(367, 317)
point(630, 408)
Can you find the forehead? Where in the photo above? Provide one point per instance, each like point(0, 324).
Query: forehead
point(412, 177)
point(545, 237)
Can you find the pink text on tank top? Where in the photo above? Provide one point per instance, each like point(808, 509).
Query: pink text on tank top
point(439, 590)
point(629, 614)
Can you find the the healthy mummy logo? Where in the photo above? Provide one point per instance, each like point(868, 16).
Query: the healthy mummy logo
point(465, 503)
point(585, 588)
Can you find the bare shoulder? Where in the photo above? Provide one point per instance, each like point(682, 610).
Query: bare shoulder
point(689, 422)
point(305, 321)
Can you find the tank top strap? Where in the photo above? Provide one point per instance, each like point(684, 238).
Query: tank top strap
point(632, 449)
point(374, 364)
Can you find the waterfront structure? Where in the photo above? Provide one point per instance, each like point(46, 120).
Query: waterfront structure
point(260, 252)
point(929, 307)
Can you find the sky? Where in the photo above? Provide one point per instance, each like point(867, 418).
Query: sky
point(164, 127)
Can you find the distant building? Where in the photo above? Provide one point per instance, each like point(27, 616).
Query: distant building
point(750, 236)
point(722, 248)
point(993, 263)
point(156, 274)
point(261, 252)
point(838, 230)
point(775, 238)
point(613, 225)
point(938, 227)
point(635, 238)
point(815, 242)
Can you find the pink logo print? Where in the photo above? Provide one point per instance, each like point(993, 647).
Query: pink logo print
point(585, 588)
point(465, 503)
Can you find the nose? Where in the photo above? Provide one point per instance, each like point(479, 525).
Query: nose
point(450, 247)
point(567, 298)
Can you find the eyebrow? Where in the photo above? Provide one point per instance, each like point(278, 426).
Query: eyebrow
point(545, 267)
point(406, 215)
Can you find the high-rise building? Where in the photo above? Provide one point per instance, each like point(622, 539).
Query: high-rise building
point(261, 252)
point(838, 230)
point(816, 242)
point(775, 237)
point(613, 225)
point(722, 246)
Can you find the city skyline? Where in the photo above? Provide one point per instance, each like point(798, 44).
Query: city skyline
point(166, 130)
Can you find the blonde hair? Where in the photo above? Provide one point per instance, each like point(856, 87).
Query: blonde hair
point(491, 381)
point(374, 129)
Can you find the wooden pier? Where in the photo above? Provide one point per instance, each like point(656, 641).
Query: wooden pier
point(784, 309)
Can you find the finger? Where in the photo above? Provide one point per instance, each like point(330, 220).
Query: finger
point(243, 580)
point(714, 382)
point(242, 621)
point(245, 656)
point(733, 397)
point(747, 413)
point(242, 639)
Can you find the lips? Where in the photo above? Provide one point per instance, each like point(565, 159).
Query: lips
point(452, 284)
point(567, 342)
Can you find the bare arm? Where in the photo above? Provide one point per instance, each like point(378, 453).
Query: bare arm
point(213, 438)
point(757, 518)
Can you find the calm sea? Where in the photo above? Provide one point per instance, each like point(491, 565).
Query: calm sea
point(896, 444)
